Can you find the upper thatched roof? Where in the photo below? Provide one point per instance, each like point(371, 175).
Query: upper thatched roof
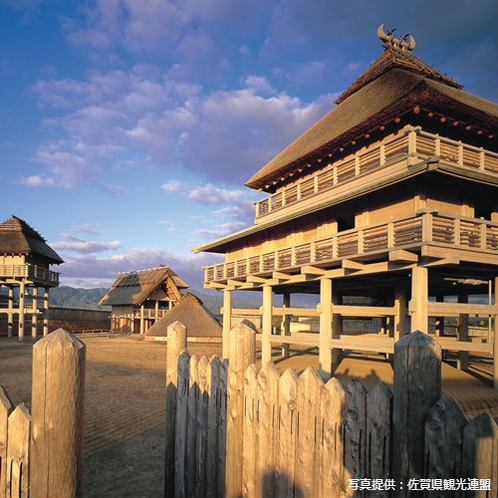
point(391, 87)
point(133, 288)
point(189, 311)
point(17, 237)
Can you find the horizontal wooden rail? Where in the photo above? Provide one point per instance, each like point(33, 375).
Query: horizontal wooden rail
point(374, 342)
point(33, 272)
point(455, 309)
point(408, 233)
point(413, 142)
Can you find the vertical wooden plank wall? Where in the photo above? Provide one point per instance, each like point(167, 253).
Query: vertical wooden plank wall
point(292, 429)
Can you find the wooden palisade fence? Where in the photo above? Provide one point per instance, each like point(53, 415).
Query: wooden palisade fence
point(41, 452)
point(244, 431)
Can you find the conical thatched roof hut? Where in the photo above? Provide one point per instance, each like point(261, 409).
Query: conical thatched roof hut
point(197, 319)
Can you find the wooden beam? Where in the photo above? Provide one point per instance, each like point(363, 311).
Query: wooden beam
point(313, 270)
point(364, 311)
point(349, 264)
point(403, 255)
point(455, 309)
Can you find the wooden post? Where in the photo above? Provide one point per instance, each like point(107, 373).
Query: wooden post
point(417, 387)
point(267, 324)
point(227, 321)
point(463, 333)
point(34, 316)
point(325, 352)
point(19, 454)
point(57, 416)
point(495, 338)
point(45, 312)
point(10, 313)
point(285, 328)
point(419, 299)
point(242, 354)
point(177, 342)
point(6, 407)
point(400, 313)
point(22, 290)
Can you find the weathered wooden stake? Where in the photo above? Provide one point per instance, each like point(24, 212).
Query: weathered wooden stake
point(6, 407)
point(177, 341)
point(242, 354)
point(417, 387)
point(57, 416)
point(18, 454)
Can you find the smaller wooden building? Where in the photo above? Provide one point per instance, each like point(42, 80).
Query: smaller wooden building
point(25, 277)
point(139, 298)
point(190, 311)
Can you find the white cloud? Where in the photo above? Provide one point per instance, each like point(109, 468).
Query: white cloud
point(89, 271)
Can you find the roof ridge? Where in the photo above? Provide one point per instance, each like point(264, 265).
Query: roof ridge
point(394, 57)
point(15, 224)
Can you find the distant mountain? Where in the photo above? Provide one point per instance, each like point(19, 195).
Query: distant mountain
point(68, 297)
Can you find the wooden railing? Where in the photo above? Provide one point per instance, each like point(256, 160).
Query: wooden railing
point(35, 273)
point(411, 143)
point(404, 233)
point(149, 313)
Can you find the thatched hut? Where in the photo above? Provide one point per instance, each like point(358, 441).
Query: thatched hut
point(139, 298)
point(198, 320)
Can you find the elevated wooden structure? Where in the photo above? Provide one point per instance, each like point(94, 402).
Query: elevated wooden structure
point(139, 298)
point(25, 260)
point(386, 208)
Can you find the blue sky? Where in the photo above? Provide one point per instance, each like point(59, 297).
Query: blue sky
point(128, 127)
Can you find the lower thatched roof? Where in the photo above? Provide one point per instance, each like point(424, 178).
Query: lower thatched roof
point(189, 311)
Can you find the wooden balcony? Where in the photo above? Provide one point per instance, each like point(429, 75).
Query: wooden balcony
point(32, 274)
point(470, 235)
point(151, 314)
point(409, 147)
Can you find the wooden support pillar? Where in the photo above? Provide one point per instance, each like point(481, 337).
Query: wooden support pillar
point(495, 338)
point(400, 313)
point(45, 312)
point(22, 290)
point(34, 315)
point(463, 333)
point(142, 320)
point(439, 325)
point(10, 313)
point(267, 324)
point(419, 299)
point(325, 351)
point(227, 322)
point(285, 329)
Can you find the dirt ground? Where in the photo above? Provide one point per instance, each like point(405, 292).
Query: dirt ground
point(124, 404)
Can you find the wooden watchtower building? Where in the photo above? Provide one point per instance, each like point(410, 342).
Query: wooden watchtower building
point(386, 208)
point(25, 260)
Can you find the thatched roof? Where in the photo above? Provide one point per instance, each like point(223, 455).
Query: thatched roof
point(189, 311)
point(17, 237)
point(391, 87)
point(133, 288)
